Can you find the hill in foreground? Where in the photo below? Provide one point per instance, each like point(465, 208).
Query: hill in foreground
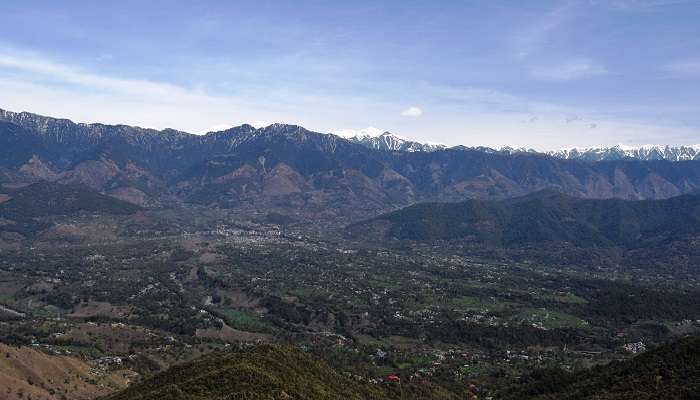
point(668, 372)
point(265, 372)
point(671, 371)
point(28, 373)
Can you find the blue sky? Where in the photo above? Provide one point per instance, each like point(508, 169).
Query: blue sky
point(542, 74)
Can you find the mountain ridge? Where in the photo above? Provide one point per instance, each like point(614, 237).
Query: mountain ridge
point(287, 167)
point(384, 140)
point(619, 152)
point(546, 217)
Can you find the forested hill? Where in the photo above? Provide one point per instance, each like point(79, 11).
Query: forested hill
point(546, 216)
point(265, 373)
point(280, 372)
point(668, 372)
point(28, 210)
point(46, 198)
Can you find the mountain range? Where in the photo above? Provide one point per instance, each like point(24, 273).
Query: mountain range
point(291, 168)
point(620, 152)
point(383, 140)
point(612, 153)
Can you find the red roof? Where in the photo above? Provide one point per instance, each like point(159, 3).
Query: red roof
point(393, 378)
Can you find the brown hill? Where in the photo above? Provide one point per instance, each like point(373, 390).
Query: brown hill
point(29, 373)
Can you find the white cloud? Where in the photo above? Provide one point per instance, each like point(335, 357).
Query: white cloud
point(689, 67)
point(458, 115)
point(412, 112)
point(580, 68)
point(30, 82)
point(67, 74)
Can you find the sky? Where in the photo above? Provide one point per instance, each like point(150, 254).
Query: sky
point(536, 74)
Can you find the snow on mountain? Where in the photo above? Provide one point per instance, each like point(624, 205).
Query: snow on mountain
point(369, 132)
point(375, 138)
point(378, 139)
point(620, 152)
point(371, 137)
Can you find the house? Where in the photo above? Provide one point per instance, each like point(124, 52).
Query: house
point(634, 348)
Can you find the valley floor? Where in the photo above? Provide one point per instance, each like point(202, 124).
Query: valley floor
point(83, 319)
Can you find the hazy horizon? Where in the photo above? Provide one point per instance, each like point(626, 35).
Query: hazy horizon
point(373, 131)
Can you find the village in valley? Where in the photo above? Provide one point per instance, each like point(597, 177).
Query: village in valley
point(388, 315)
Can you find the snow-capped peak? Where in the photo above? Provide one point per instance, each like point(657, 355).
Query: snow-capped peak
point(383, 140)
point(369, 132)
point(620, 151)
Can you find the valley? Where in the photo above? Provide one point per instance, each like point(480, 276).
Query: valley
point(444, 315)
point(137, 256)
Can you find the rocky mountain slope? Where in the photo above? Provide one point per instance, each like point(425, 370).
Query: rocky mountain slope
point(290, 168)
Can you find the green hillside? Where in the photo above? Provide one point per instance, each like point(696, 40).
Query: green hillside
point(28, 207)
point(265, 372)
point(43, 199)
point(668, 372)
point(546, 216)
